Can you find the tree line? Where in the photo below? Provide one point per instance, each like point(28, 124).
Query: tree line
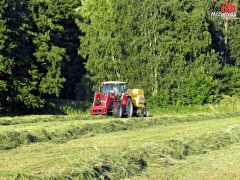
point(173, 49)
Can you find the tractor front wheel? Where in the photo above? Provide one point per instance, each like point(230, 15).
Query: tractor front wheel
point(117, 110)
point(129, 107)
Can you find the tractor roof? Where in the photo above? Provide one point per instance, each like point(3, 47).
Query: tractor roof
point(113, 82)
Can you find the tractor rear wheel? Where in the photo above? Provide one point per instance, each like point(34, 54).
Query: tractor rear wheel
point(129, 108)
point(117, 110)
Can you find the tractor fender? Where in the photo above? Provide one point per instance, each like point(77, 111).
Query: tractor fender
point(124, 101)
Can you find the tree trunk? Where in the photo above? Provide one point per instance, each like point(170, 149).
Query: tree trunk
point(116, 70)
point(226, 39)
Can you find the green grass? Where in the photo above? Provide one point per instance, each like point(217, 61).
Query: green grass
point(55, 107)
point(64, 129)
point(227, 104)
point(126, 148)
point(67, 107)
point(176, 143)
point(216, 165)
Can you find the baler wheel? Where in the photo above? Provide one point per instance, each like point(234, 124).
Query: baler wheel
point(144, 112)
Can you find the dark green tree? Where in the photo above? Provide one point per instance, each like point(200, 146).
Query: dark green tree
point(37, 60)
point(68, 38)
point(5, 62)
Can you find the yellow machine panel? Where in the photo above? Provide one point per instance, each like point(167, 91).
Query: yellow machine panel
point(137, 96)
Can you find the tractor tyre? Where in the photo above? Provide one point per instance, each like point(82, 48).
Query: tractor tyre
point(129, 108)
point(142, 112)
point(146, 113)
point(117, 110)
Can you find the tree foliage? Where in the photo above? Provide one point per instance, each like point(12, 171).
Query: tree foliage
point(163, 47)
point(34, 50)
point(173, 49)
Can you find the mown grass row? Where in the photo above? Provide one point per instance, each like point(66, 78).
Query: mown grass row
point(25, 120)
point(131, 162)
point(13, 139)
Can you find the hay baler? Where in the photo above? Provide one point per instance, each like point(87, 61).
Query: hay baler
point(113, 98)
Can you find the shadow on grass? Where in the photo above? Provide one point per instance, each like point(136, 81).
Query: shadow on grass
point(52, 107)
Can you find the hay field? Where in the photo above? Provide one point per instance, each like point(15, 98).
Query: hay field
point(100, 147)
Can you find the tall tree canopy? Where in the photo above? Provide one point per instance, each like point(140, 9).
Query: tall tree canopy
point(36, 44)
point(164, 47)
point(6, 62)
point(175, 50)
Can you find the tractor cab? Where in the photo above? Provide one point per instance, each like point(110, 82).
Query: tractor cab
point(118, 88)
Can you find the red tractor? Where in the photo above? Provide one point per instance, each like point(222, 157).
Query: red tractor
point(114, 99)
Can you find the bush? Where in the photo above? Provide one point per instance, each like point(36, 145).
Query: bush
point(67, 107)
point(83, 90)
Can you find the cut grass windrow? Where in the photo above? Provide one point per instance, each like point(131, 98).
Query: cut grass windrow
point(131, 162)
point(51, 118)
point(13, 139)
